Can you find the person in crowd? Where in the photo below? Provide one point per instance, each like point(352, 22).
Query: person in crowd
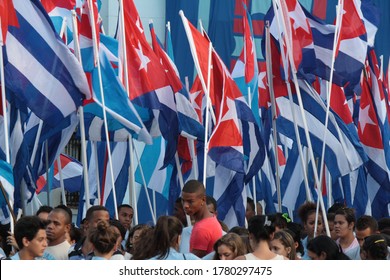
point(250, 208)
point(384, 224)
point(43, 212)
point(206, 230)
point(125, 217)
point(330, 218)
point(307, 214)
point(344, 224)
point(295, 229)
point(75, 234)
point(119, 253)
point(162, 242)
point(30, 236)
point(374, 247)
point(57, 232)
point(279, 220)
point(260, 232)
point(134, 235)
point(179, 213)
point(229, 246)
point(323, 247)
point(365, 226)
point(283, 244)
point(103, 238)
point(244, 234)
point(84, 249)
point(212, 206)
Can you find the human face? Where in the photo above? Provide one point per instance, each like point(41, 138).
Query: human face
point(36, 246)
point(97, 216)
point(192, 202)
point(211, 208)
point(57, 228)
point(278, 248)
point(225, 253)
point(125, 217)
point(341, 226)
point(310, 225)
point(361, 234)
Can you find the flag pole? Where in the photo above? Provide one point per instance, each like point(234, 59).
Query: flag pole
point(124, 78)
point(84, 160)
point(288, 86)
point(273, 104)
point(152, 212)
point(191, 142)
point(96, 56)
point(13, 217)
point(61, 180)
point(204, 86)
point(339, 18)
point(132, 193)
point(4, 101)
point(298, 92)
point(96, 158)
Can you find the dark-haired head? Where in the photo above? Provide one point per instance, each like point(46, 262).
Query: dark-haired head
point(325, 248)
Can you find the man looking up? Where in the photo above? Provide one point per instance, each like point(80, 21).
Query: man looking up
point(206, 229)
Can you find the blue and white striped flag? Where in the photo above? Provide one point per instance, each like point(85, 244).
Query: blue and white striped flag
point(39, 67)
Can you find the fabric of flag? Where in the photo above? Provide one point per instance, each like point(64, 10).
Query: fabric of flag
point(149, 86)
point(188, 120)
point(7, 181)
point(40, 69)
point(72, 175)
point(7, 17)
point(103, 184)
point(245, 72)
point(299, 34)
point(60, 10)
point(374, 134)
point(151, 161)
point(343, 152)
point(117, 103)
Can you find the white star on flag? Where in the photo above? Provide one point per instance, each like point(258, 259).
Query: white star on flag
point(193, 96)
point(364, 118)
point(299, 19)
point(261, 82)
point(143, 58)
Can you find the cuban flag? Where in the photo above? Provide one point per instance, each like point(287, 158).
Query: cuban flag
point(150, 90)
point(374, 134)
point(299, 35)
point(7, 181)
point(40, 69)
point(188, 121)
point(343, 152)
point(71, 172)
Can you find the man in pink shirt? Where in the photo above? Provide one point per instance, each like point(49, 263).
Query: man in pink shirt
point(206, 229)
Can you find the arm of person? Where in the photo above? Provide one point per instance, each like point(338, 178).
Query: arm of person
point(240, 258)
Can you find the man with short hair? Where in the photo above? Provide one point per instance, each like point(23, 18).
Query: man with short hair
point(57, 231)
point(30, 235)
point(83, 250)
point(125, 217)
point(365, 226)
point(206, 230)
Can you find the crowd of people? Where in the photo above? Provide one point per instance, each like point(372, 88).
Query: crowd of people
point(194, 233)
